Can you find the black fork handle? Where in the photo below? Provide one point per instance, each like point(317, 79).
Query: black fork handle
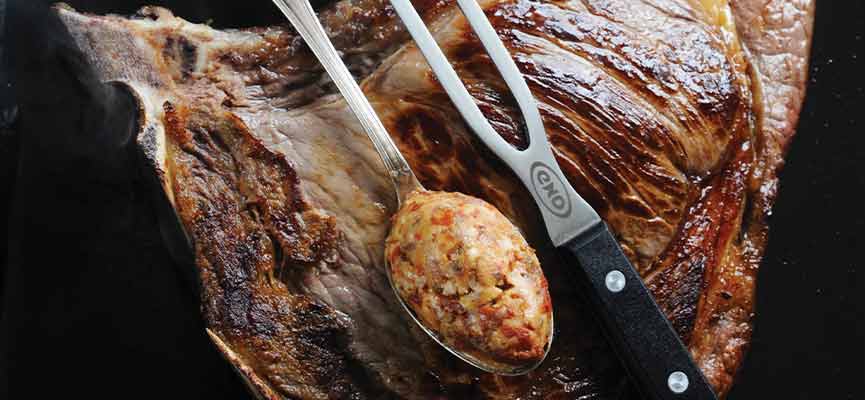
point(658, 362)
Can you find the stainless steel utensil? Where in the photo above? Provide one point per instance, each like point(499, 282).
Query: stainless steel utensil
point(304, 20)
point(658, 362)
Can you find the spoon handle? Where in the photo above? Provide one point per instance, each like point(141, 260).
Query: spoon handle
point(304, 20)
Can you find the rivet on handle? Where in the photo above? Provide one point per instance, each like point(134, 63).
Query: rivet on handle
point(615, 281)
point(678, 382)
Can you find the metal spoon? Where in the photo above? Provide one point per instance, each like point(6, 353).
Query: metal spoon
point(304, 20)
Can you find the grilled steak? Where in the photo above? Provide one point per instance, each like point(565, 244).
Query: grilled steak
point(670, 117)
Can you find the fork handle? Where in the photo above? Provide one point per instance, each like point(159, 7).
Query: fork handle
point(303, 18)
point(658, 362)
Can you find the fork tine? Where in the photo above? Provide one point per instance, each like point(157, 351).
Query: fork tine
point(507, 68)
point(536, 165)
point(454, 87)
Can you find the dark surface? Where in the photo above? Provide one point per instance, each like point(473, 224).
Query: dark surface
point(93, 305)
point(8, 140)
point(809, 336)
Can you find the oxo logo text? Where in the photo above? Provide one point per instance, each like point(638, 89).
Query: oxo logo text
point(550, 190)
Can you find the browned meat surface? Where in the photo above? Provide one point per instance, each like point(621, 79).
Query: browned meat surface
point(669, 116)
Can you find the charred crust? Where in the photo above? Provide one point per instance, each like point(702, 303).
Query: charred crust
point(152, 13)
point(182, 52)
point(219, 170)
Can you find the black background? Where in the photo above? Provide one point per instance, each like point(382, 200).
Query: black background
point(93, 305)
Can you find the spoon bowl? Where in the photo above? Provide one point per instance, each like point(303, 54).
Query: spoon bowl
point(482, 364)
